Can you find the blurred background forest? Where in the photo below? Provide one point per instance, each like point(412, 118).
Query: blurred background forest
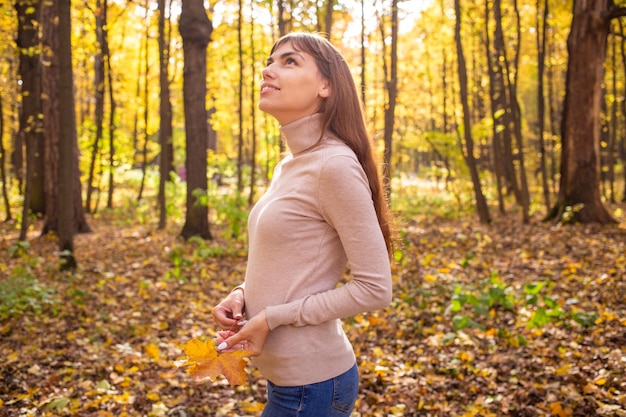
point(496, 122)
point(464, 97)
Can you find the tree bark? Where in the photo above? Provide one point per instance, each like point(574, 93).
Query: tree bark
point(99, 101)
point(146, 103)
point(253, 161)
point(481, 202)
point(52, 116)
point(504, 112)
point(29, 19)
point(328, 18)
point(391, 86)
point(579, 197)
point(240, 136)
point(622, 142)
point(195, 29)
point(67, 135)
point(106, 53)
point(3, 176)
point(541, 29)
point(516, 120)
point(496, 94)
point(165, 112)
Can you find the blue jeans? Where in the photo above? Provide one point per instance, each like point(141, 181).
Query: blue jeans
point(332, 398)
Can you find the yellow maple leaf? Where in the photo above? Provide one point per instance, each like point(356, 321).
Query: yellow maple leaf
point(205, 362)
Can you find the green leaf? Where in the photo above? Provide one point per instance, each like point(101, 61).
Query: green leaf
point(584, 318)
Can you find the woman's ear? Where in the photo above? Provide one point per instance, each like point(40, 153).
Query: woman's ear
point(325, 91)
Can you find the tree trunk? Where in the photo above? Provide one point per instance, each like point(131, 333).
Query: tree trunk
point(504, 112)
point(240, 137)
point(516, 120)
point(99, 102)
point(284, 23)
point(106, 54)
point(29, 19)
point(3, 176)
point(67, 135)
point(391, 86)
point(253, 161)
point(328, 17)
point(541, 29)
point(195, 29)
point(165, 115)
point(481, 202)
point(612, 131)
point(363, 52)
point(579, 192)
point(52, 118)
point(496, 94)
point(622, 142)
point(284, 26)
point(146, 103)
point(555, 112)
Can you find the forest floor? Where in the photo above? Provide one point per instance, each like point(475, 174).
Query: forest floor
point(499, 320)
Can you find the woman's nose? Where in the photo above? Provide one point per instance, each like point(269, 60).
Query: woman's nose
point(266, 73)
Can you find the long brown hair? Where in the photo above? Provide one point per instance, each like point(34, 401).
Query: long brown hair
point(342, 114)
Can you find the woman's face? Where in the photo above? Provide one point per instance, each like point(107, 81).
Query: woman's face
point(292, 85)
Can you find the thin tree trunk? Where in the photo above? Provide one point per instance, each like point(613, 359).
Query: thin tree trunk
point(135, 134)
point(506, 107)
point(252, 112)
point(612, 139)
point(67, 133)
point(554, 113)
point(240, 138)
point(622, 143)
point(481, 202)
point(363, 52)
point(391, 86)
point(195, 29)
point(516, 119)
point(144, 151)
point(3, 176)
point(495, 95)
point(99, 100)
point(106, 53)
point(541, 31)
point(328, 17)
point(165, 113)
point(29, 19)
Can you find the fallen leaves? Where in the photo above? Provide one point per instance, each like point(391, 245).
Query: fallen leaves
point(103, 342)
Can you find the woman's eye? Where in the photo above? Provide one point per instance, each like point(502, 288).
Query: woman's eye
point(290, 61)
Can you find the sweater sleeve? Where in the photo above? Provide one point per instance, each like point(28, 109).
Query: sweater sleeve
point(346, 205)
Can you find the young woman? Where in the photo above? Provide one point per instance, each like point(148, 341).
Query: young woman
point(324, 210)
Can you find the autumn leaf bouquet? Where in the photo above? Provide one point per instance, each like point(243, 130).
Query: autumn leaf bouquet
point(205, 362)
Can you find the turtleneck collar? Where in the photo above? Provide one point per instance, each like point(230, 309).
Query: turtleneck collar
point(301, 134)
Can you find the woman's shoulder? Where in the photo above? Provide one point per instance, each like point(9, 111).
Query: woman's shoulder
point(335, 147)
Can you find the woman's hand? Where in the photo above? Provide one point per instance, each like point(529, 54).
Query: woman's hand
point(230, 311)
point(251, 336)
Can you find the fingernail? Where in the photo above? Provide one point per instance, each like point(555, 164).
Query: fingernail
point(222, 346)
point(238, 316)
point(242, 322)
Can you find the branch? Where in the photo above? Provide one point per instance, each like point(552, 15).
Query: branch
point(616, 11)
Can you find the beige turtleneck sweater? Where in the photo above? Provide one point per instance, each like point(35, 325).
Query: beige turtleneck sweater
point(316, 217)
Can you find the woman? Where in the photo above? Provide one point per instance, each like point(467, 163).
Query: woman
point(324, 209)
